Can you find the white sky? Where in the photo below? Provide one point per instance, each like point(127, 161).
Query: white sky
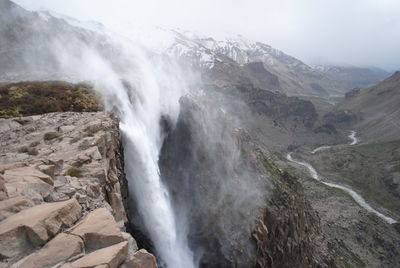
point(355, 32)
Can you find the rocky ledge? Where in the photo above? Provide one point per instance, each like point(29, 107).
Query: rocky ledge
point(61, 203)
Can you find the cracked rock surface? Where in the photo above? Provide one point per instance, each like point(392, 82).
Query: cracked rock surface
point(62, 193)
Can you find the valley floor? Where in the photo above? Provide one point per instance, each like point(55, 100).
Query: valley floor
point(356, 237)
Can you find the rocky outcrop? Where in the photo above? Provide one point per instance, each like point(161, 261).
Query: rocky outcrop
point(110, 257)
point(62, 206)
point(241, 213)
point(289, 233)
point(98, 230)
point(341, 118)
point(33, 227)
point(141, 259)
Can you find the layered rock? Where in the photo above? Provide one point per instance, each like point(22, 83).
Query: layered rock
point(63, 205)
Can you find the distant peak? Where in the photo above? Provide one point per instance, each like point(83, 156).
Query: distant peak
point(6, 4)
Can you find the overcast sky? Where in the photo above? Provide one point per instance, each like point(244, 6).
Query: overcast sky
point(352, 32)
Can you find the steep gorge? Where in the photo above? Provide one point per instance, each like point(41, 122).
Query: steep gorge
point(200, 179)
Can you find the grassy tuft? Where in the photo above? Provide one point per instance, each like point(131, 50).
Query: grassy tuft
point(28, 150)
point(51, 136)
point(30, 98)
point(34, 144)
point(74, 172)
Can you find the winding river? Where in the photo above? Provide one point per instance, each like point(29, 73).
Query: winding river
point(352, 136)
point(358, 198)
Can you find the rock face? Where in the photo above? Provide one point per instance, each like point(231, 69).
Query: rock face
point(242, 212)
point(288, 235)
point(63, 205)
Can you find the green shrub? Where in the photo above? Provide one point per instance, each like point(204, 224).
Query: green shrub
point(34, 144)
point(30, 98)
point(33, 151)
point(51, 136)
point(91, 130)
point(28, 150)
point(74, 172)
point(23, 149)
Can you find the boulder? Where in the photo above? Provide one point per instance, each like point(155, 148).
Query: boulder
point(47, 169)
point(98, 229)
point(14, 205)
point(31, 187)
point(27, 181)
point(141, 259)
point(110, 257)
point(34, 226)
point(28, 172)
point(132, 245)
point(61, 248)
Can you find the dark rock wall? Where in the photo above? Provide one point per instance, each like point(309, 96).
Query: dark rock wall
point(241, 211)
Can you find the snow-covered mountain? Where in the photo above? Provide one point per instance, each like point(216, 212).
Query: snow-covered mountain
point(234, 60)
point(295, 77)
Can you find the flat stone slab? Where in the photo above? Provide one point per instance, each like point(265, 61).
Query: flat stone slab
point(34, 226)
point(110, 257)
point(98, 229)
point(59, 249)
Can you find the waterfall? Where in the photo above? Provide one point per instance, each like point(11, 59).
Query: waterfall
point(140, 125)
point(141, 88)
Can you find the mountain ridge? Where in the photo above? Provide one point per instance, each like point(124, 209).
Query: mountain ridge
point(354, 77)
point(377, 109)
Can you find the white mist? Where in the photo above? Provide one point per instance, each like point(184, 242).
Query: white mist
point(143, 139)
point(155, 86)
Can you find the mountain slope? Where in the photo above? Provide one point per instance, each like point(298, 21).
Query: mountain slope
point(218, 122)
point(39, 46)
point(296, 78)
point(378, 109)
point(354, 77)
